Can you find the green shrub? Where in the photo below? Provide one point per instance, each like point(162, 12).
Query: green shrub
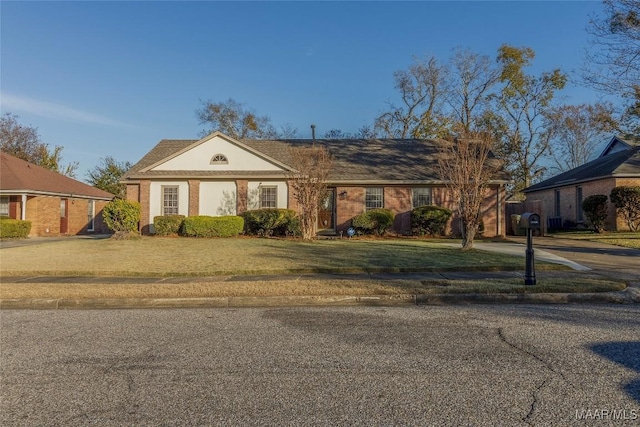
point(212, 226)
point(14, 228)
point(271, 222)
point(122, 217)
point(374, 221)
point(167, 225)
point(595, 208)
point(429, 220)
point(626, 199)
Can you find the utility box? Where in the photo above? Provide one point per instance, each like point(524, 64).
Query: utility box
point(530, 221)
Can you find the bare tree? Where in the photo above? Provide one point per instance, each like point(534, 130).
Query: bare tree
point(311, 168)
point(472, 79)
point(576, 132)
point(612, 66)
point(422, 91)
point(24, 142)
point(233, 119)
point(467, 168)
point(520, 108)
point(336, 134)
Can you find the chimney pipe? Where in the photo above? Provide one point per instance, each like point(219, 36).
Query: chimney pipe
point(313, 131)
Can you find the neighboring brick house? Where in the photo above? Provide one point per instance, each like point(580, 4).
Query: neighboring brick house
point(562, 195)
point(218, 175)
point(55, 204)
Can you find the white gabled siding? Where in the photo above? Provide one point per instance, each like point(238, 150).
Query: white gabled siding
point(253, 197)
point(218, 198)
point(155, 197)
point(199, 157)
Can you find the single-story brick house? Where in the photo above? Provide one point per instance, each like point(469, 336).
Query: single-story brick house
point(562, 195)
point(219, 175)
point(55, 204)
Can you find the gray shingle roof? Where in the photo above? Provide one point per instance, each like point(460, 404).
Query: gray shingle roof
point(355, 160)
point(621, 164)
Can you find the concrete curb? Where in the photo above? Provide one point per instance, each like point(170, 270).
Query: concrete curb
point(627, 296)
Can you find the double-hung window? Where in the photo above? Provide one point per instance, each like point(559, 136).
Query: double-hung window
point(169, 200)
point(91, 212)
point(4, 205)
point(421, 196)
point(268, 196)
point(374, 198)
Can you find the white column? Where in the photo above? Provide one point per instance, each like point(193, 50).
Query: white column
point(23, 207)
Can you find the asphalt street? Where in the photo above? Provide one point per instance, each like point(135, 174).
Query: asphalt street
point(430, 366)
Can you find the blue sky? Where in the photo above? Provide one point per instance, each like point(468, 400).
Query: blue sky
point(114, 78)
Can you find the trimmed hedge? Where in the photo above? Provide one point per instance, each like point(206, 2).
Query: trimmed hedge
point(429, 220)
point(374, 221)
point(271, 222)
point(595, 208)
point(212, 226)
point(14, 228)
point(167, 225)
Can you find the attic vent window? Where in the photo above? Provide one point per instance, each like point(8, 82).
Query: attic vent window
point(219, 159)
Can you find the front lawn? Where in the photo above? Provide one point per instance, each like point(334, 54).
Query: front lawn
point(157, 256)
point(624, 239)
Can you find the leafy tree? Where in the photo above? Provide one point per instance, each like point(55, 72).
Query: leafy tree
point(595, 208)
point(24, 142)
point(466, 167)
point(576, 132)
point(232, 118)
point(626, 199)
point(613, 63)
point(422, 90)
point(521, 105)
point(107, 174)
point(311, 168)
point(122, 217)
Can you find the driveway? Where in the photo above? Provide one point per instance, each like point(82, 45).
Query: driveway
point(615, 261)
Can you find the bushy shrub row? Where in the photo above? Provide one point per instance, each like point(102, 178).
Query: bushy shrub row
point(374, 221)
point(429, 220)
point(212, 226)
point(167, 225)
point(271, 222)
point(14, 228)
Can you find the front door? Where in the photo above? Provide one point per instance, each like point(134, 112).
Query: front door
point(64, 216)
point(326, 212)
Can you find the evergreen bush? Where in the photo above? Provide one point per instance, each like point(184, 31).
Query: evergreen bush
point(167, 225)
point(626, 199)
point(595, 208)
point(212, 226)
point(429, 220)
point(374, 221)
point(14, 228)
point(122, 217)
point(271, 222)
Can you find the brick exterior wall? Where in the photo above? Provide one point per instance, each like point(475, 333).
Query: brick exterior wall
point(568, 201)
point(399, 200)
point(242, 198)
point(133, 192)
point(145, 200)
point(44, 214)
point(349, 203)
point(194, 197)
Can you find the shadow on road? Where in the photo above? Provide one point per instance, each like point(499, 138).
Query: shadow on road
point(626, 354)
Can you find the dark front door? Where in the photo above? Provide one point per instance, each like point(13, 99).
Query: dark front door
point(326, 211)
point(64, 216)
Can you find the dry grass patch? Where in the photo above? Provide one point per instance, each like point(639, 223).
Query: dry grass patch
point(301, 288)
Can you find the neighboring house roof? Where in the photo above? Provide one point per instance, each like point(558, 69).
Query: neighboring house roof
point(620, 143)
point(354, 160)
point(19, 176)
point(622, 164)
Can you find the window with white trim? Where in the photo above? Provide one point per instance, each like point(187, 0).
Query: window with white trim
point(169, 200)
point(268, 196)
point(374, 198)
point(421, 196)
point(4, 205)
point(219, 159)
point(91, 214)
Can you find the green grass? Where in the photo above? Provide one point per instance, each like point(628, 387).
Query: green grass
point(158, 256)
point(624, 239)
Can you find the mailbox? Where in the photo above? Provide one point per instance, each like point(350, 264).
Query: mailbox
point(530, 220)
